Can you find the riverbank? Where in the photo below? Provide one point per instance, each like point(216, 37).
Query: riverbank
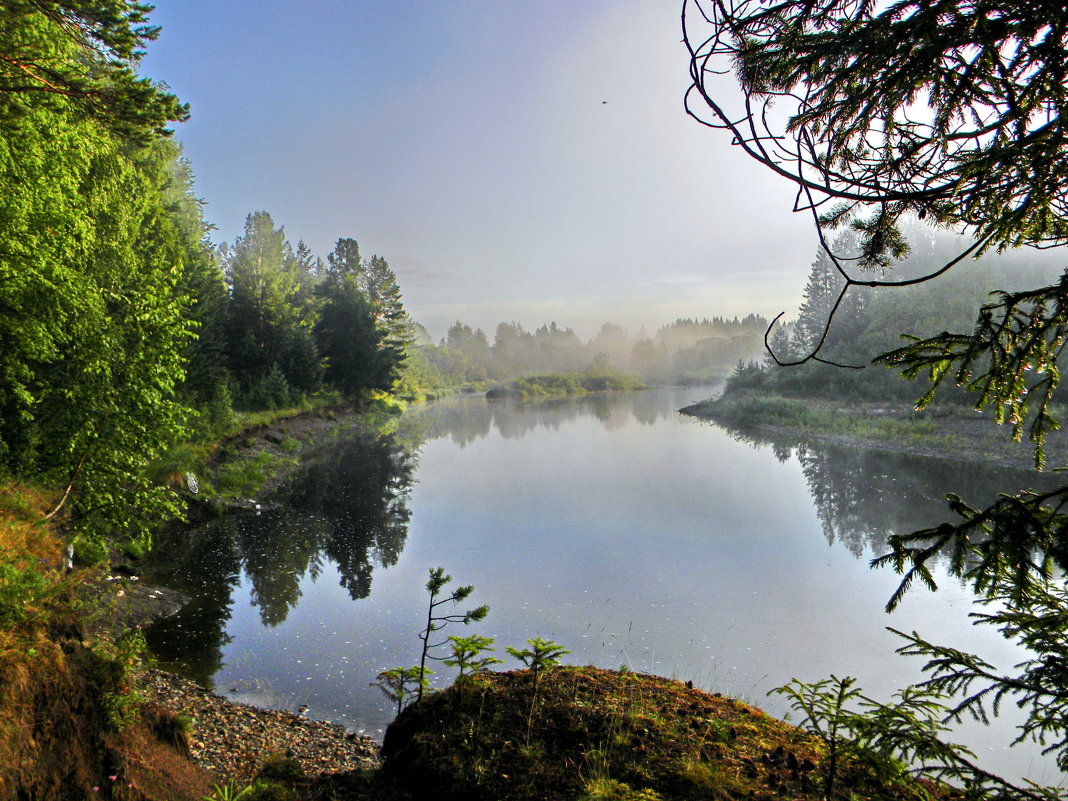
point(233, 740)
point(235, 476)
point(955, 433)
point(578, 733)
point(599, 734)
point(259, 458)
point(564, 385)
point(77, 715)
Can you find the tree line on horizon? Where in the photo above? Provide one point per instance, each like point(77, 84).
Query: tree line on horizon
point(872, 321)
point(684, 351)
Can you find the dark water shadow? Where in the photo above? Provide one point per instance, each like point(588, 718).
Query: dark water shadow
point(865, 495)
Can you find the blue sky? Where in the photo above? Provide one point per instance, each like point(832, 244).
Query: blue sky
point(511, 161)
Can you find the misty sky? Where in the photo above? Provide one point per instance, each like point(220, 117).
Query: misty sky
point(512, 161)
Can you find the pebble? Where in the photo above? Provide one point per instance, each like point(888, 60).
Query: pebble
point(232, 739)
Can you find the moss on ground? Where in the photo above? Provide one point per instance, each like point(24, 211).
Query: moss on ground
point(588, 733)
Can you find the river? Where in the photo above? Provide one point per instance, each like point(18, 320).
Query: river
point(630, 534)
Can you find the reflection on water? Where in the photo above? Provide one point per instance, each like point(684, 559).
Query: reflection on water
point(612, 524)
point(466, 420)
point(863, 496)
point(348, 504)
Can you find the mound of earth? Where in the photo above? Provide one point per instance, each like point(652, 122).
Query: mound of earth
point(588, 733)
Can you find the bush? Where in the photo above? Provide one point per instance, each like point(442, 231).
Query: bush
point(18, 588)
point(89, 551)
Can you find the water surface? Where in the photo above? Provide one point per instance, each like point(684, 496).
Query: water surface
point(627, 532)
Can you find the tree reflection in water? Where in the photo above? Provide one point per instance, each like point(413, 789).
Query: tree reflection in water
point(348, 503)
point(863, 496)
point(466, 420)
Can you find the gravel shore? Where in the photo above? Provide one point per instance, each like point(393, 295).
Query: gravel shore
point(232, 740)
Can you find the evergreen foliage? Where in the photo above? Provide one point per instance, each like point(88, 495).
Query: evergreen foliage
point(78, 57)
point(358, 358)
point(401, 684)
point(383, 293)
point(869, 323)
point(295, 323)
point(437, 619)
point(469, 654)
point(952, 113)
point(900, 739)
point(947, 111)
point(264, 319)
point(539, 657)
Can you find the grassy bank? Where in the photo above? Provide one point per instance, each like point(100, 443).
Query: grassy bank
point(874, 422)
point(73, 721)
point(257, 449)
point(951, 432)
point(562, 385)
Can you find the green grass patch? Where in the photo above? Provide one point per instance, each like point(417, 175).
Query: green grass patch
point(562, 385)
point(245, 477)
point(864, 421)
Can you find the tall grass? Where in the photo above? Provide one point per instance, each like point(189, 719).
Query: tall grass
point(748, 410)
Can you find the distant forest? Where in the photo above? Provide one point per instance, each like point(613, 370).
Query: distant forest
point(125, 331)
point(685, 351)
point(870, 321)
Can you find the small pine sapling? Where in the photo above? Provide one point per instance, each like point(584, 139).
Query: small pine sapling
point(895, 740)
point(400, 684)
point(436, 621)
point(467, 654)
point(823, 705)
point(541, 655)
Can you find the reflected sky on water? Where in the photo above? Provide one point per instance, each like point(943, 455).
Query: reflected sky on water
point(628, 533)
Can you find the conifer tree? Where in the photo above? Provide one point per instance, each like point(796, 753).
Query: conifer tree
point(266, 331)
point(954, 113)
point(344, 262)
point(379, 283)
point(358, 359)
point(79, 57)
